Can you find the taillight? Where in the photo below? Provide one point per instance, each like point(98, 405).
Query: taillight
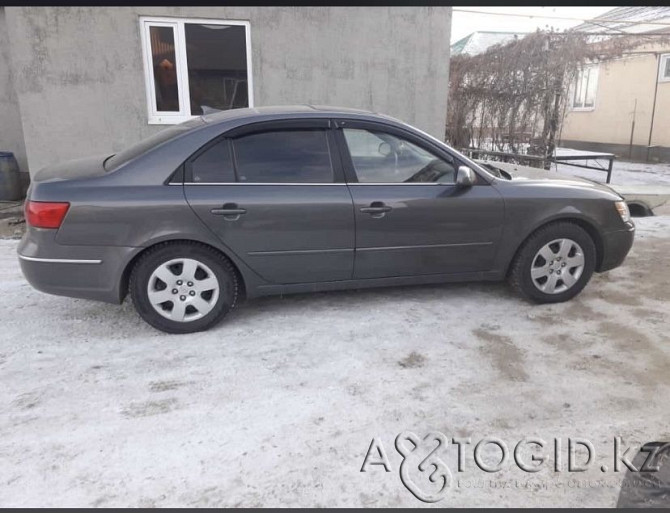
point(45, 214)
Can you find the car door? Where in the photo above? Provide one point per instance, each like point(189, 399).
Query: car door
point(411, 218)
point(274, 193)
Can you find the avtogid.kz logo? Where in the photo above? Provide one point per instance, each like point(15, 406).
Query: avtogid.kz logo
point(424, 472)
point(420, 454)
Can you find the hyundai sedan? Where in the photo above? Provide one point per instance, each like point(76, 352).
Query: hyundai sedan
point(276, 200)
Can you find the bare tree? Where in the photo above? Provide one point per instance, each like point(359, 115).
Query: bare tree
point(513, 97)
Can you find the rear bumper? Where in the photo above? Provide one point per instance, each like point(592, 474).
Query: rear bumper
point(616, 246)
point(88, 272)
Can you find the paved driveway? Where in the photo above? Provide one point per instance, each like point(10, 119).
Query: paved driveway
point(278, 405)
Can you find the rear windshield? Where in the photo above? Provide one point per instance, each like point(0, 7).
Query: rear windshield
point(149, 143)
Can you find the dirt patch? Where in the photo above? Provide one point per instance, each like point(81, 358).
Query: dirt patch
point(505, 356)
point(412, 361)
point(578, 309)
point(150, 408)
point(616, 297)
point(644, 313)
point(544, 319)
point(650, 316)
point(26, 401)
point(649, 365)
point(655, 284)
point(163, 386)
point(565, 342)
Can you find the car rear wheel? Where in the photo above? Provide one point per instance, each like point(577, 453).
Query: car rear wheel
point(183, 288)
point(554, 264)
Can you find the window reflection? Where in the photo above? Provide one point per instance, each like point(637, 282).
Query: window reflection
point(379, 157)
point(217, 67)
point(215, 165)
point(289, 156)
point(165, 69)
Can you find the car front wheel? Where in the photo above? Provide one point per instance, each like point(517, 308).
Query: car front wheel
point(183, 287)
point(554, 264)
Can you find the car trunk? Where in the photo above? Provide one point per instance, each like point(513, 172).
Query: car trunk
point(79, 168)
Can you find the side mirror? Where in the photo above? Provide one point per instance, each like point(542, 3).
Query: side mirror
point(465, 177)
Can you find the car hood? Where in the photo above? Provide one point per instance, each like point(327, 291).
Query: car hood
point(523, 175)
point(79, 168)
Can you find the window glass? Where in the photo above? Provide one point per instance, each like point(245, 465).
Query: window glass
point(164, 64)
point(194, 69)
point(379, 157)
point(214, 165)
point(150, 143)
point(293, 156)
point(577, 101)
point(665, 67)
point(585, 87)
point(217, 67)
point(591, 86)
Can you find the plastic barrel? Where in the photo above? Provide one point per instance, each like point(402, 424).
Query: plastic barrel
point(10, 181)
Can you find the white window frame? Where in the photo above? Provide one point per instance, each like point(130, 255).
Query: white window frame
point(663, 63)
point(590, 67)
point(156, 117)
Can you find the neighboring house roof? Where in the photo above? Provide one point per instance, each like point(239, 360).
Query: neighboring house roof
point(634, 20)
point(479, 42)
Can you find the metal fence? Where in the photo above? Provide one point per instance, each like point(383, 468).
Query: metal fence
point(541, 162)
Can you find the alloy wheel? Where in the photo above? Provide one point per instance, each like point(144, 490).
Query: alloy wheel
point(183, 289)
point(557, 266)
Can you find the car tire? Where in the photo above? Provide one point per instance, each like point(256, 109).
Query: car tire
point(547, 270)
point(183, 287)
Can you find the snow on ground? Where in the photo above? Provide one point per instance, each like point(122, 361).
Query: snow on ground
point(277, 405)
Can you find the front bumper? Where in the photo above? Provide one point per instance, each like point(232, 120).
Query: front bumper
point(88, 272)
point(616, 246)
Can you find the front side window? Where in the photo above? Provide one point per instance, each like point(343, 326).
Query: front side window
point(585, 87)
point(284, 156)
point(379, 157)
point(195, 67)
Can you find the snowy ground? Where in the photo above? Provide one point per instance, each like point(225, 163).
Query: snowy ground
point(277, 406)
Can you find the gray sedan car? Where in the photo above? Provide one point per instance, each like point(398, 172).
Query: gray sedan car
point(275, 200)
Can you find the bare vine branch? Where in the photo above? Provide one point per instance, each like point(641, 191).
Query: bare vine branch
point(513, 96)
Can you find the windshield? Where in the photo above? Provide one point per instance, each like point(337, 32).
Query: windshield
point(149, 143)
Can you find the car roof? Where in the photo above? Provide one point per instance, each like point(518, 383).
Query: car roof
point(290, 112)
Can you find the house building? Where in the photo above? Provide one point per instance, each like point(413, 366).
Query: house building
point(76, 81)
point(621, 105)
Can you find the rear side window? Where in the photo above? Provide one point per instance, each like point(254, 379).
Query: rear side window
point(284, 156)
point(214, 165)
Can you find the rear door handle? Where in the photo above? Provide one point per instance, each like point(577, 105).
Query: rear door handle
point(376, 209)
point(229, 211)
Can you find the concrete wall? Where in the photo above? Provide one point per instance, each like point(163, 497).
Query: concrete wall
point(620, 83)
point(80, 79)
point(11, 131)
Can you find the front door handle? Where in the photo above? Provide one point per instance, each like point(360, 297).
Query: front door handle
point(377, 209)
point(229, 211)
